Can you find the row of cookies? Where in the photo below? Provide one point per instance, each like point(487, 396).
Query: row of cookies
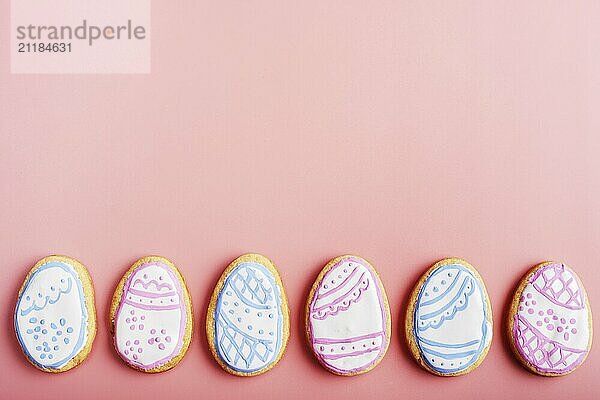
point(448, 325)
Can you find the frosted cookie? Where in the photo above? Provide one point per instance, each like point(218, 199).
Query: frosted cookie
point(449, 319)
point(55, 317)
point(550, 320)
point(151, 315)
point(248, 323)
point(348, 324)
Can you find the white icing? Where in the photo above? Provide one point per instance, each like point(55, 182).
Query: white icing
point(360, 314)
point(248, 319)
point(150, 337)
point(51, 319)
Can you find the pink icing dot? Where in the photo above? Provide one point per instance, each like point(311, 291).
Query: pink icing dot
point(157, 339)
point(163, 331)
point(143, 317)
point(520, 308)
point(539, 323)
point(322, 348)
point(559, 329)
point(151, 341)
point(127, 343)
point(134, 319)
point(152, 331)
point(128, 320)
point(550, 311)
point(572, 320)
point(132, 327)
point(141, 326)
point(562, 320)
point(140, 350)
point(528, 295)
point(527, 303)
point(554, 317)
point(135, 357)
point(566, 336)
point(550, 327)
point(161, 346)
point(546, 320)
point(530, 311)
point(574, 331)
point(540, 313)
point(168, 339)
point(132, 312)
point(131, 349)
point(533, 302)
point(126, 352)
point(136, 342)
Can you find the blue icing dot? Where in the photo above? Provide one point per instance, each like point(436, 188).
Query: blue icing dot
point(62, 322)
point(69, 330)
point(33, 320)
point(42, 321)
point(56, 348)
point(30, 331)
point(37, 329)
point(463, 292)
point(66, 340)
point(50, 356)
point(54, 339)
point(53, 325)
point(35, 337)
point(42, 356)
point(38, 348)
point(44, 331)
point(58, 333)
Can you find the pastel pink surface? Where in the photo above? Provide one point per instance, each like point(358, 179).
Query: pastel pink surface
point(400, 132)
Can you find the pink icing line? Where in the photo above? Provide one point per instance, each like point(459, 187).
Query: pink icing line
point(355, 353)
point(339, 287)
point(577, 297)
point(150, 294)
point(156, 284)
point(332, 305)
point(347, 340)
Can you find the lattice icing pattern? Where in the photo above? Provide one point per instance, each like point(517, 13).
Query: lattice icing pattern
point(347, 318)
point(51, 316)
point(451, 323)
point(248, 318)
point(551, 327)
point(151, 319)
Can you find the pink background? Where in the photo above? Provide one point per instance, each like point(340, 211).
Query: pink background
point(402, 132)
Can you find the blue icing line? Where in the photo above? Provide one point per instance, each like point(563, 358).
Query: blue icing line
point(222, 322)
point(484, 328)
point(67, 268)
point(451, 303)
point(47, 300)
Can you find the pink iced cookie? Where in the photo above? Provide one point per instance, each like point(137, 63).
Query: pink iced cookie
point(151, 316)
point(550, 320)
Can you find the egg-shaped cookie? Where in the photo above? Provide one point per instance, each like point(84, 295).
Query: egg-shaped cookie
point(550, 320)
point(348, 323)
point(151, 315)
point(248, 323)
point(55, 316)
point(449, 319)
